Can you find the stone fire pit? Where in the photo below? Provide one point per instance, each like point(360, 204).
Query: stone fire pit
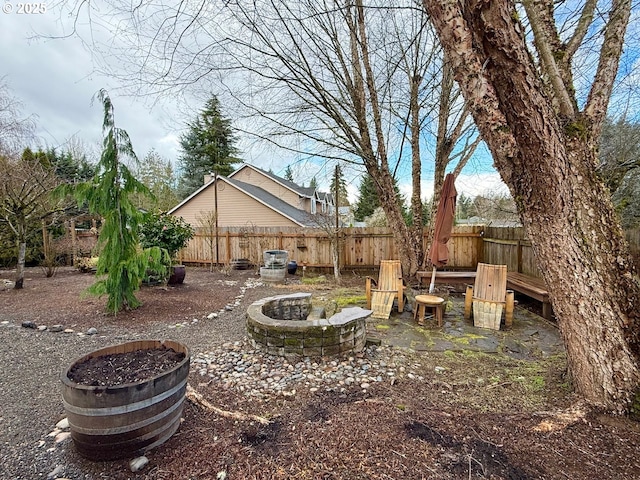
point(288, 325)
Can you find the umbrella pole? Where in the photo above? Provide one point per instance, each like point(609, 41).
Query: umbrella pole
point(433, 280)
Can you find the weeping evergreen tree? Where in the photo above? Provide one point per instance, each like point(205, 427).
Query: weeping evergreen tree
point(108, 195)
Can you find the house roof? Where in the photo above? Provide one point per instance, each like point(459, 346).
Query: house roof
point(301, 217)
point(294, 214)
point(326, 197)
point(308, 192)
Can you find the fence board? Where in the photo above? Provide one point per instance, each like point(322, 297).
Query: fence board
point(509, 246)
point(359, 247)
point(365, 247)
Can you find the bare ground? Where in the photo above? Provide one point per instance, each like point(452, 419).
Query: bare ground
point(521, 422)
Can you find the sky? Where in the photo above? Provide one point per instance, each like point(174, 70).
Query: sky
point(55, 80)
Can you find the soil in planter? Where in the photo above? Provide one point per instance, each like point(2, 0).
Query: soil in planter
point(121, 368)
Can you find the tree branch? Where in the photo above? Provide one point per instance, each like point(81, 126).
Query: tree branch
point(600, 93)
point(574, 42)
point(566, 106)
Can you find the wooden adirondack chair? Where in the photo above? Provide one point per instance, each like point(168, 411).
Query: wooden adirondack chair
point(389, 286)
point(488, 297)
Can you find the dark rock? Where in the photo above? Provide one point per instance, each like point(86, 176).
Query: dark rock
point(29, 324)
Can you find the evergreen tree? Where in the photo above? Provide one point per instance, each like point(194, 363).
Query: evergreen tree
point(108, 195)
point(157, 174)
point(68, 167)
point(339, 193)
point(464, 205)
point(367, 199)
point(208, 146)
point(288, 173)
point(313, 183)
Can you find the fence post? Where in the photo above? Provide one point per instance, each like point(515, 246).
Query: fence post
point(228, 247)
point(519, 255)
point(74, 242)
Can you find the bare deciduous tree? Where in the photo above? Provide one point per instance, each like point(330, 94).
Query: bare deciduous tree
point(347, 81)
point(25, 187)
point(208, 222)
point(16, 131)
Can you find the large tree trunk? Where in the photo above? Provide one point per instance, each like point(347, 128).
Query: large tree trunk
point(373, 142)
point(406, 243)
point(548, 164)
point(22, 249)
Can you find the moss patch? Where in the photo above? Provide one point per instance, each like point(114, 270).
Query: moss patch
point(314, 280)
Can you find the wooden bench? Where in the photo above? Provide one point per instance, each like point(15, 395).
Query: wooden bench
point(531, 287)
point(452, 278)
point(518, 282)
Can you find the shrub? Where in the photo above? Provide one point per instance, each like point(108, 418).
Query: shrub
point(165, 231)
point(87, 264)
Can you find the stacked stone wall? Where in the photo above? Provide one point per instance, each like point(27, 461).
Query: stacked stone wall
point(280, 326)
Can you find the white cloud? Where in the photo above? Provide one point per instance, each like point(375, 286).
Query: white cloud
point(55, 80)
point(471, 185)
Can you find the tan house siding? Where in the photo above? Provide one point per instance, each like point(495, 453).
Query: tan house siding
point(236, 209)
point(254, 177)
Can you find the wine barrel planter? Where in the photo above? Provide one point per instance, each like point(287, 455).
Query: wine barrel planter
point(111, 422)
point(272, 274)
point(240, 263)
point(177, 274)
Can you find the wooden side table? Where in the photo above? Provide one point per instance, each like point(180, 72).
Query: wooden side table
point(428, 301)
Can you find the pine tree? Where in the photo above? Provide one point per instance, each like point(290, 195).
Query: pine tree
point(340, 193)
point(313, 183)
point(367, 199)
point(208, 146)
point(288, 174)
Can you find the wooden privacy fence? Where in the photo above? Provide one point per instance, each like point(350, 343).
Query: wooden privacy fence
point(509, 246)
point(359, 247)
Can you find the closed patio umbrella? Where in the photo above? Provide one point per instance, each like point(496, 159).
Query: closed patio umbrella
point(439, 253)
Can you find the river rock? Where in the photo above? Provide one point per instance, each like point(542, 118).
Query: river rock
point(63, 424)
point(138, 463)
point(62, 436)
point(56, 471)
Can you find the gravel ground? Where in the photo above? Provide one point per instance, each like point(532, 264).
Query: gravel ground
point(33, 358)
point(31, 361)
point(384, 413)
